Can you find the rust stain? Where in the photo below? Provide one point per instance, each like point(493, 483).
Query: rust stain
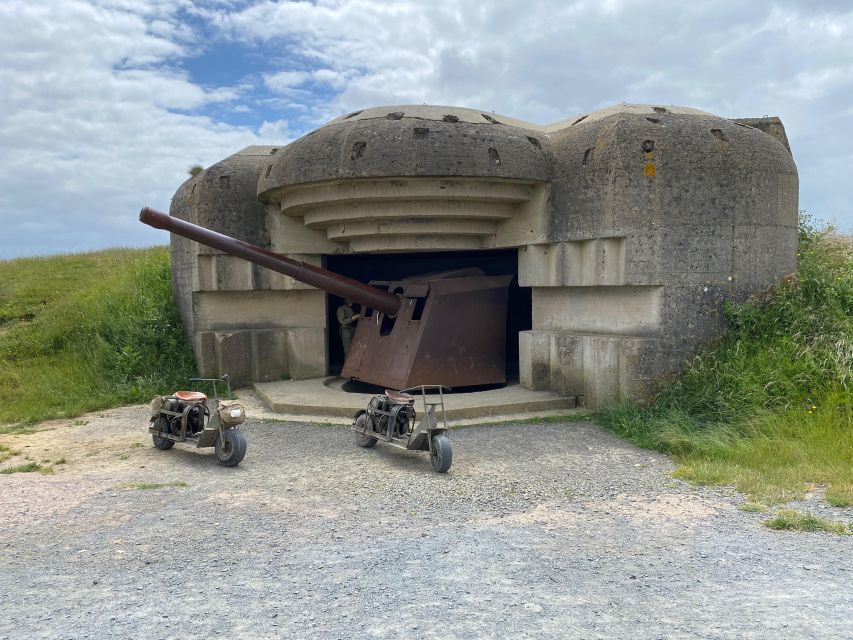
point(650, 170)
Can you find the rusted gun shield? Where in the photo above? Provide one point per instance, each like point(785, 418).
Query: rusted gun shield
point(453, 333)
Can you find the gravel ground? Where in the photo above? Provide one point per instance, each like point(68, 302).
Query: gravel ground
point(538, 531)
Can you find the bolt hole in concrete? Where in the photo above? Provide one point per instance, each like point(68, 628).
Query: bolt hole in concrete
point(588, 155)
point(534, 142)
point(494, 156)
point(648, 146)
point(654, 120)
point(395, 115)
point(421, 132)
point(718, 133)
point(451, 118)
point(358, 150)
point(489, 118)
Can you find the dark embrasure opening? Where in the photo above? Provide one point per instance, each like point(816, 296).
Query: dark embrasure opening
point(394, 266)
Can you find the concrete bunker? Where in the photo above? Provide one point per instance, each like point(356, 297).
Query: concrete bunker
point(627, 229)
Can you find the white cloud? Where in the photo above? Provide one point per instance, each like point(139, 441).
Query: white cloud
point(544, 60)
point(337, 79)
point(274, 132)
point(89, 122)
point(98, 116)
point(283, 80)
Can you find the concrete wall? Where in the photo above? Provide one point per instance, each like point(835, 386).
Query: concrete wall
point(684, 211)
point(633, 225)
point(241, 319)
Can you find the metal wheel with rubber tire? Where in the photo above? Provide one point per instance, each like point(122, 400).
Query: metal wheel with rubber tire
point(362, 439)
point(442, 453)
point(230, 448)
point(159, 441)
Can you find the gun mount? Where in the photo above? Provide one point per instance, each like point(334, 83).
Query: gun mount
point(447, 327)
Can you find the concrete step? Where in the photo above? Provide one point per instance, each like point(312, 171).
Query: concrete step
point(411, 227)
point(324, 397)
point(435, 210)
point(298, 200)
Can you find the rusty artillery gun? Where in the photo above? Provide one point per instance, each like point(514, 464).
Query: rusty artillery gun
point(447, 327)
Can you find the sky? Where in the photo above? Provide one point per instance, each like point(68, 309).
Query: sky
point(105, 104)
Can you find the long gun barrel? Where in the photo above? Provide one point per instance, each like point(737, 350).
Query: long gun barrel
point(330, 281)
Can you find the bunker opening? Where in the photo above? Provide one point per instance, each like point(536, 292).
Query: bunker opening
point(394, 267)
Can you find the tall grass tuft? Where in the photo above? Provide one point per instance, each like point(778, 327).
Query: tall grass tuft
point(769, 407)
point(88, 331)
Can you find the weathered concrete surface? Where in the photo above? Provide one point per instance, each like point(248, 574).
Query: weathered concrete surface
point(633, 225)
point(379, 144)
point(240, 318)
point(707, 209)
point(770, 125)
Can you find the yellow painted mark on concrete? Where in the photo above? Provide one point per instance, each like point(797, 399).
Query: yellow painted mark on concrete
point(650, 170)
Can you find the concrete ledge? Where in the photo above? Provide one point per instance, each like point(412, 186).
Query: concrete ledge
point(323, 398)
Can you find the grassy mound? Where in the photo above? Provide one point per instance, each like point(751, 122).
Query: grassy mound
point(769, 408)
point(87, 331)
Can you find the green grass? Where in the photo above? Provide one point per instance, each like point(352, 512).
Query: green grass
point(87, 331)
point(17, 428)
point(769, 407)
point(28, 467)
point(790, 520)
point(145, 486)
point(6, 452)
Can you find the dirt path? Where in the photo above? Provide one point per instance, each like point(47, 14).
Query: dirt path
point(538, 531)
